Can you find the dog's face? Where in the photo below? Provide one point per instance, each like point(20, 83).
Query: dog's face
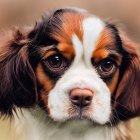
point(75, 66)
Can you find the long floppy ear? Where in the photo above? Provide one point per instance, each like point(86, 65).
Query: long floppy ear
point(127, 96)
point(17, 78)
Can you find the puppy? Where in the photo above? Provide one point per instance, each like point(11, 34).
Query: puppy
point(72, 77)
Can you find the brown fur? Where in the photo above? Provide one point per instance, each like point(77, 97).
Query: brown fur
point(15, 73)
point(128, 91)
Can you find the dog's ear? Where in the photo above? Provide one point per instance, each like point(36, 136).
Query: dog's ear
point(127, 96)
point(17, 78)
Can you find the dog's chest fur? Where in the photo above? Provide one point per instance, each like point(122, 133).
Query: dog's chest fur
point(35, 126)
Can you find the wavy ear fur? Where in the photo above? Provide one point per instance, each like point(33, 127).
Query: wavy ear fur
point(127, 97)
point(17, 78)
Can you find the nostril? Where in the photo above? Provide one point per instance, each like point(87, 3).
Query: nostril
point(74, 97)
point(88, 98)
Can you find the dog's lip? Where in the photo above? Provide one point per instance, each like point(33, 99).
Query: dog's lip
point(80, 115)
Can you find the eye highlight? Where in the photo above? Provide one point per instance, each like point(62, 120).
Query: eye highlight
point(56, 63)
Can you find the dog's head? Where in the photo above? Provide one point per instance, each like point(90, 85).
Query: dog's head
point(74, 65)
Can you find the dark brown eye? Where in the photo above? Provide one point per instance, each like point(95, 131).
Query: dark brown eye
point(106, 67)
point(56, 63)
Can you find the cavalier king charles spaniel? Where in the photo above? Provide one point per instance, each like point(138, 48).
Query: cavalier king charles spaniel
point(71, 77)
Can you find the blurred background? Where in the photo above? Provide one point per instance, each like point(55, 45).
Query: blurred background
point(125, 13)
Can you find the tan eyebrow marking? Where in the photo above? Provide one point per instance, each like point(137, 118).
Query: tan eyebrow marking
point(67, 50)
point(101, 50)
point(106, 46)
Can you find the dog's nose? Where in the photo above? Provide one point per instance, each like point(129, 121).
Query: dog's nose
point(81, 97)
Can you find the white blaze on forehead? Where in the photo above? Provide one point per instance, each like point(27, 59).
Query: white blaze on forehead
point(77, 44)
point(92, 28)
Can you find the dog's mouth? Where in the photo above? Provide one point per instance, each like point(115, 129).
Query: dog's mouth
point(80, 113)
point(77, 114)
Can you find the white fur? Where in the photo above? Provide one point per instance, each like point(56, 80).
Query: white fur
point(92, 28)
point(34, 125)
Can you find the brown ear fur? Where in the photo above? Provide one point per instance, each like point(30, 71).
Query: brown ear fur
point(17, 78)
point(127, 96)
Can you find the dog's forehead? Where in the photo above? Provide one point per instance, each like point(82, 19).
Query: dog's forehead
point(76, 33)
point(80, 29)
point(92, 29)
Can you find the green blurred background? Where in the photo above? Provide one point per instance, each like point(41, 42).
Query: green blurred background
point(125, 13)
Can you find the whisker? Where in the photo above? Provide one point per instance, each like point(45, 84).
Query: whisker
point(120, 104)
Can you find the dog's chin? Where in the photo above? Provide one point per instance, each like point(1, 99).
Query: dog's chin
point(80, 115)
point(79, 118)
point(82, 121)
point(82, 118)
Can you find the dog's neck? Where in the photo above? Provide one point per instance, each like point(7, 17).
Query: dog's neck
point(33, 124)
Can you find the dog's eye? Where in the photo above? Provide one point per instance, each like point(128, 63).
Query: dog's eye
point(56, 63)
point(106, 67)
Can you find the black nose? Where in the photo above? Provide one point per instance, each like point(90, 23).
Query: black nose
point(81, 97)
